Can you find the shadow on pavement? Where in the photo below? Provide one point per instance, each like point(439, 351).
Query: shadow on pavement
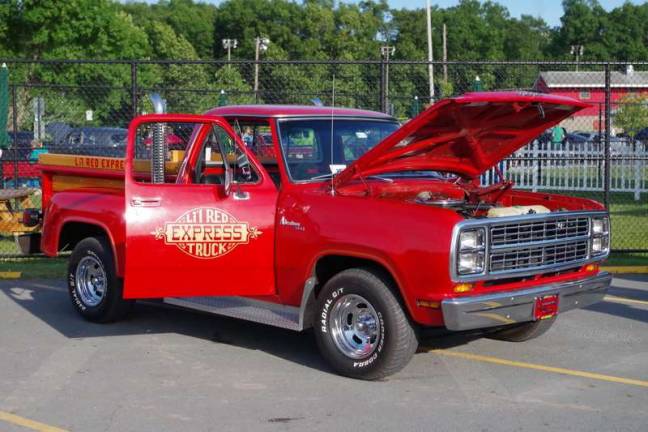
point(49, 302)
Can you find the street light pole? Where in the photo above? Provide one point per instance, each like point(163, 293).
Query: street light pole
point(229, 45)
point(261, 44)
point(430, 52)
point(386, 52)
point(577, 50)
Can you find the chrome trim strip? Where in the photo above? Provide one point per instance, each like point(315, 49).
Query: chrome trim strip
point(565, 240)
point(487, 223)
point(511, 307)
point(315, 116)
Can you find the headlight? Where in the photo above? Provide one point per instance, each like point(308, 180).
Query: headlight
point(600, 236)
point(470, 251)
point(470, 263)
point(600, 226)
point(473, 239)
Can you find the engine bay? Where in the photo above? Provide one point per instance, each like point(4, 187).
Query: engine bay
point(471, 200)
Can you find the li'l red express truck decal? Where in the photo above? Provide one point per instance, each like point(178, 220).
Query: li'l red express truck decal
point(206, 233)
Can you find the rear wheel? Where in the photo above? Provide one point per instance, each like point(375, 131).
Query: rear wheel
point(361, 328)
point(93, 285)
point(523, 332)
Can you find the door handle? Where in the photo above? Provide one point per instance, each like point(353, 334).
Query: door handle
point(145, 202)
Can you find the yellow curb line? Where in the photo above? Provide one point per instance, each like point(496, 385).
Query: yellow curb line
point(30, 424)
point(577, 373)
point(615, 299)
point(10, 275)
point(626, 269)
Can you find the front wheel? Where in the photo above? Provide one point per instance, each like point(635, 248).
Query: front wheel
point(93, 285)
point(361, 328)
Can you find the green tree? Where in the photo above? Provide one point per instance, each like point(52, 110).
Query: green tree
point(632, 115)
point(237, 90)
point(183, 85)
point(190, 19)
point(584, 22)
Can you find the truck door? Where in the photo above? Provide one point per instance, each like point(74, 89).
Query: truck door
point(203, 227)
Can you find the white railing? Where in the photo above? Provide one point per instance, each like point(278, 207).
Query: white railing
point(577, 167)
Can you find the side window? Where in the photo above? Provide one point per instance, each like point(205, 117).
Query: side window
point(74, 139)
point(301, 145)
point(219, 153)
point(256, 134)
point(175, 137)
point(257, 137)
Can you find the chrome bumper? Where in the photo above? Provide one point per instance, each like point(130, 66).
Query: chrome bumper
point(491, 310)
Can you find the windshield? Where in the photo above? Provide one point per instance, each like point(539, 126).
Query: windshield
point(316, 148)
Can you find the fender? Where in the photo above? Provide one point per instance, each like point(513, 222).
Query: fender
point(375, 256)
point(106, 214)
point(117, 252)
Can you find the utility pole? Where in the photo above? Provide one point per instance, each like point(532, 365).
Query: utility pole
point(445, 54)
point(262, 44)
point(430, 52)
point(229, 45)
point(385, 52)
point(577, 50)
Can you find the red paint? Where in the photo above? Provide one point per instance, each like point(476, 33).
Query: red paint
point(300, 223)
point(465, 135)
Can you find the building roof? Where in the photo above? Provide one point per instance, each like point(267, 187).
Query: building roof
point(585, 79)
point(293, 111)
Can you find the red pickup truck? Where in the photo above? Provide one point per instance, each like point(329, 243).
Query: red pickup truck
point(351, 224)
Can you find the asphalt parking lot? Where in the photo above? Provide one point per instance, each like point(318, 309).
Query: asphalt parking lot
point(168, 369)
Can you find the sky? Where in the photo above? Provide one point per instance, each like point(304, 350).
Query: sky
point(549, 10)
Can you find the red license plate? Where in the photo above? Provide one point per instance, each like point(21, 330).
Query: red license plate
point(546, 307)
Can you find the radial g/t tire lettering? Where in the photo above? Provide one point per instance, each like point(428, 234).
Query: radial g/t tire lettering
point(361, 328)
point(93, 285)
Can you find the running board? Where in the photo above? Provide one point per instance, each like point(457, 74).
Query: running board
point(277, 315)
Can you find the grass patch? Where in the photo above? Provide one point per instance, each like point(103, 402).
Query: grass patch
point(629, 218)
point(617, 259)
point(36, 268)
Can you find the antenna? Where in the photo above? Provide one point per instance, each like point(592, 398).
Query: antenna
point(332, 120)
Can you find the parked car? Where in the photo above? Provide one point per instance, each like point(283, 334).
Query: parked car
point(589, 136)
point(17, 170)
point(56, 133)
point(642, 135)
point(93, 141)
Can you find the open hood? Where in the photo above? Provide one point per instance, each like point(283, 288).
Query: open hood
point(465, 135)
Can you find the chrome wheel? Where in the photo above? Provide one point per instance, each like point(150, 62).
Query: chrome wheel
point(90, 281)
point(355, 326)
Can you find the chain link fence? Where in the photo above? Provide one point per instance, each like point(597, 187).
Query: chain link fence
point(84, 107)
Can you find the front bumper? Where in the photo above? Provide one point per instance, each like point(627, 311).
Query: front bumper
point(510, 307)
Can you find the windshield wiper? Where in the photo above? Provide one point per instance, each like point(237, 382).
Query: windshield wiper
point(322, 176)
point(377, 177)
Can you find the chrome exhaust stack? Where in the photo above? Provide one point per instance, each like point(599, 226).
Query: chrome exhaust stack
point(159, 145)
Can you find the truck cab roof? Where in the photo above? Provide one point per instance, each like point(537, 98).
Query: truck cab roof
point(293, 111)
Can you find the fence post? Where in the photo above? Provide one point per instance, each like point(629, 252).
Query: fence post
point(133, 90)
point(637, 171)
point(383, 85)
point(534, 169)
point(608, 126)
point(14, 107)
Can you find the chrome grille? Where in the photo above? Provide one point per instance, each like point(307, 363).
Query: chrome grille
point(542, 230)
point(528, 244)
point(536, 256)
